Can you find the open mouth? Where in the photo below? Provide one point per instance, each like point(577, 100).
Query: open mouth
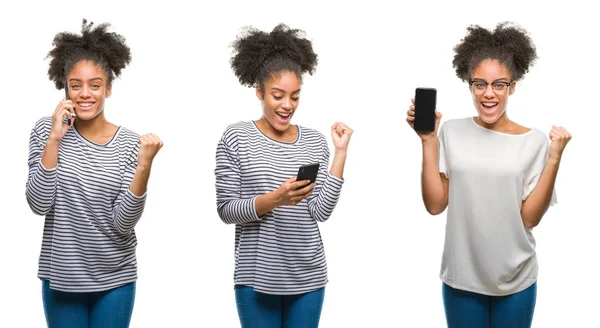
point(489, 107)
point(284, 116)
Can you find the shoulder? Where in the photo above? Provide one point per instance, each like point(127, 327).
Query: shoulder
point(537, 138)
point(236, 131)
point(455, 124)
point(126, 133)
point(42, 126)
point(310, 135)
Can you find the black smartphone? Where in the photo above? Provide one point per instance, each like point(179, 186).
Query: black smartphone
point(308, 172)
point(425, 103)
point(67, 120)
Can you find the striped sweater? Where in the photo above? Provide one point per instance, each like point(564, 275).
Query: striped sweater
point(89, 242)
point(280, 252)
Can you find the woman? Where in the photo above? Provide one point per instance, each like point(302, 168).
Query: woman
point(88, 177)
point(496, 178)
point(280, 269)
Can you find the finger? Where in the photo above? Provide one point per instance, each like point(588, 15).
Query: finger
point(412, 100)
point(291, 180)
point(566, 133)
point(306, 189)
point(300, 184)
point(554, 135)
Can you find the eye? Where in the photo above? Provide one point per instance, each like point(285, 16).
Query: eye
point(95, 86)
point(75, 86)
point(480, 85)
point(295, 99)
point(499, 85)
point(277, 97)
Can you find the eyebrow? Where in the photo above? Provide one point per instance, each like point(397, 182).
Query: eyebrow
point(496, 80)
point(283, 91)
point(92, 79)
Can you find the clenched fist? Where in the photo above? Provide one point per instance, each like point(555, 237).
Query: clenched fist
point(559, 137)
point(150, 144)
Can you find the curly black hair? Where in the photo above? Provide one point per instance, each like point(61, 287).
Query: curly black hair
point(258, 55)
point(95, 44)
point(508, 43)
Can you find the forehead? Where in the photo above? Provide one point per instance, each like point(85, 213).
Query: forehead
point(287, 81)
point(87, 69)
point(491, 69)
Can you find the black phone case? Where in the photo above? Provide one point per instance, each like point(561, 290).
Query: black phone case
point(67, 120)
point(425, 104)
point(308, 172)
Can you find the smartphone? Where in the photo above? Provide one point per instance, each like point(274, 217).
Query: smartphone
point(308, 172)
point(425, 103)
point(67, 120)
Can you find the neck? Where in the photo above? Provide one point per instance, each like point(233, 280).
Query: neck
point(273, 133)
point(501, 125)
point(95, 126)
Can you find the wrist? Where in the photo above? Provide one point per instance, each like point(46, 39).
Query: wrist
point(143, 166)
point(274, 197)
point(340, 152)
point(52, 141)
point(553, 160)
point(430, 141)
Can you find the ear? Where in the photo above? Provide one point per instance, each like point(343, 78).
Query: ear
point(259, 93)
point(512, 88)
point(108, 91)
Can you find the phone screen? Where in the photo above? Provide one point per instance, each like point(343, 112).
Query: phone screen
point(425, 103)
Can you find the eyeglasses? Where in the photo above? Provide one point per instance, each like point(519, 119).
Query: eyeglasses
point(481, 86)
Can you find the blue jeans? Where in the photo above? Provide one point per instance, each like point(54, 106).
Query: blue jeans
point(258, 310)
point(467, 309)
point(111, 308)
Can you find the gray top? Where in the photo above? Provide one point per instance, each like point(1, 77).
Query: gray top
point(89, 240)
point(487, 249)
point(280, 252)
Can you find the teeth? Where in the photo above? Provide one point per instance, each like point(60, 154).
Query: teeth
point(489, 104)
point(86, 104)
point(284, 114)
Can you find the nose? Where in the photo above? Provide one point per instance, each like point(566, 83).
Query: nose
point(287, 104)
point(85, 92)
point(489, 92)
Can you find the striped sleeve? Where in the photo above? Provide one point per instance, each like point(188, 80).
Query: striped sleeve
point(128, 208)
point(230, 206)
point(323, 200)
point(40, 188)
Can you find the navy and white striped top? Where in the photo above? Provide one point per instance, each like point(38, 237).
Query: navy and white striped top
point(281, 252)
point(89, 242)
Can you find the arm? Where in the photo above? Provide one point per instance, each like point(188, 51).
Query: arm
point(434, 185)
point(231, 207)
point(129, 204)
point(41, 183)
point(325, 197)
point(542, 196)
point(538, 202)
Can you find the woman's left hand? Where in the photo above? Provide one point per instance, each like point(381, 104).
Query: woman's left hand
point(559, 137)
point(341, 133)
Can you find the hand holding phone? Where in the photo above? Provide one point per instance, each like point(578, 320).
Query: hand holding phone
point(294, 190)
point(63, 113)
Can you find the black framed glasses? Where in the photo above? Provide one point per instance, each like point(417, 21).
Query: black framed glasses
point(499, 87)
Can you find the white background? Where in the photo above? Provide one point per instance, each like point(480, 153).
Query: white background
point(383, 249)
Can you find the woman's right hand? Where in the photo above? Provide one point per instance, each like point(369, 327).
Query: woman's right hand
point(291, 192)
point(410, 118)
point(59, 128)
